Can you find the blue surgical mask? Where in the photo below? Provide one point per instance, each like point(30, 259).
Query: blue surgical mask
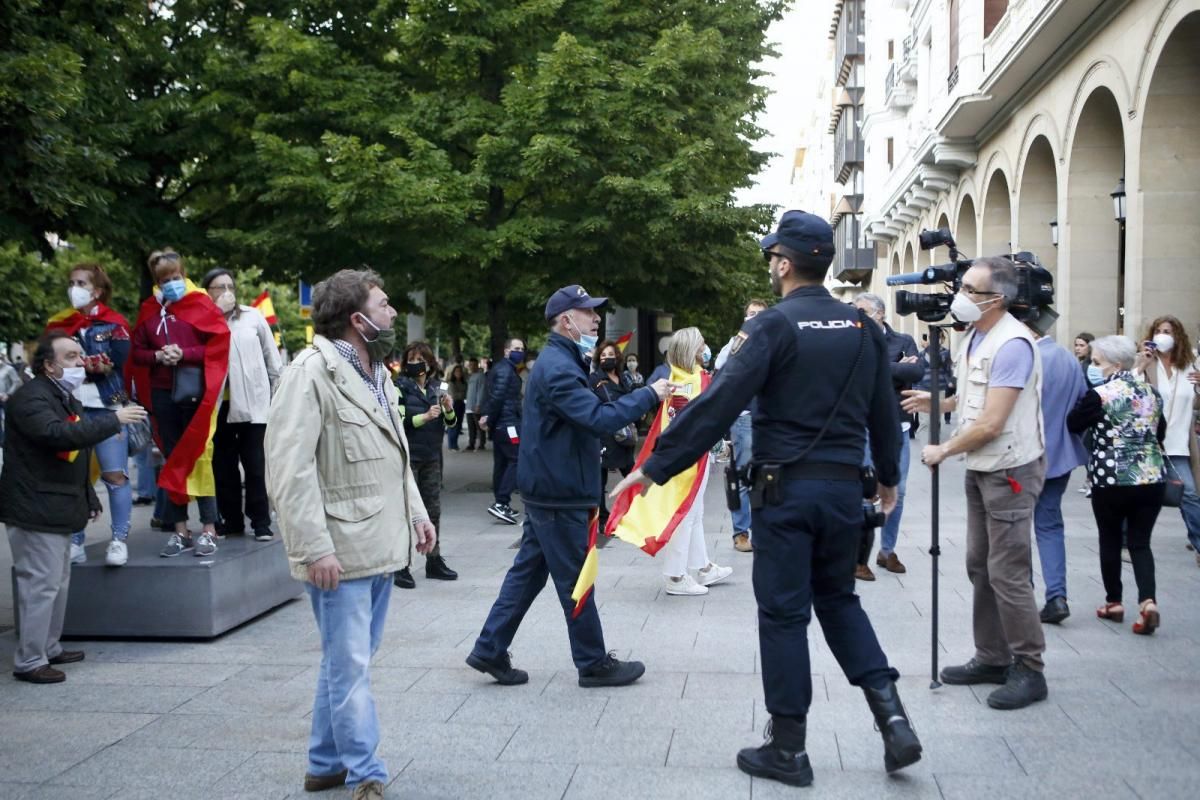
point(706, 356)
point(173, 290)
point(586, 344)
point(1095, 375)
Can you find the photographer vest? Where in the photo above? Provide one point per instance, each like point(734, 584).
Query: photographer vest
point(1023, 439)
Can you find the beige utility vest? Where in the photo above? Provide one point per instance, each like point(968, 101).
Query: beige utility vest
point(1023, 439)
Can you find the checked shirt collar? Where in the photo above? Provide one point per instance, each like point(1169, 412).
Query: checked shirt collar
point(376, 379)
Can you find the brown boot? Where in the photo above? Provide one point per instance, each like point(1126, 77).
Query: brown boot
point(741, 543)
point(863, 573)
point(892, 564)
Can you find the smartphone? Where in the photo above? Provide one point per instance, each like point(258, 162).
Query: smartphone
point(445, 387)
point(1149, 345)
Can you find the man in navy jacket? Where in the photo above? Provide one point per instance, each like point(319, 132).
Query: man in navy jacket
point(502, 414)
point(558, 473)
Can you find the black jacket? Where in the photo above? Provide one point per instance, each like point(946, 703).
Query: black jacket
point(564, 420)
point(795, 357)
point(616, 455)
point(424, 442)
point(503, 404)
point(901, 345)
point(39, 489)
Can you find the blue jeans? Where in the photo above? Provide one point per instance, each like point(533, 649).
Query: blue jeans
point(742, 434)
point(1051, 542)
point(891, 528)
point(147, 481)
point(345, 727)
point(554, 544)
point(113, 456)
point(1190, 507)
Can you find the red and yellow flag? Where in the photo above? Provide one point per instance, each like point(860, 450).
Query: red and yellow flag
point(649, 521)
point(624, 341)
point(266, 307)
point(587, 575)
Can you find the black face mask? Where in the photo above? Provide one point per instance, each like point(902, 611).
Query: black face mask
point(608, 364)
point(414, 370)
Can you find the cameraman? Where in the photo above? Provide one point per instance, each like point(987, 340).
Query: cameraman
point(999, 374)
point(808, 488)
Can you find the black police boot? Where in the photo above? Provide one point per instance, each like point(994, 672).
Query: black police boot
point(900, 744)
point(435, 568)
point(404, 579)
point(781, 757)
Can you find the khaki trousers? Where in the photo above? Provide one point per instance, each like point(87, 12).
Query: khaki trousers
point(43, 566)
point(1000, 564)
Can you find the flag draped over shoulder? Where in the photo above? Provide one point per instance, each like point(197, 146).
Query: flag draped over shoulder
point(70, 321)
point(188, 470)
point(649, 521)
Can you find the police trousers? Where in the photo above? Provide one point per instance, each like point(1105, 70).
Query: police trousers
point(804, 554)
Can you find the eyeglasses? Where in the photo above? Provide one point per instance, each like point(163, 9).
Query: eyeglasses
point(975, 293)
point(167, 256)
point(769, 254)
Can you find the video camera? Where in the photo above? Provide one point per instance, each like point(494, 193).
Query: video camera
point(1035, 285)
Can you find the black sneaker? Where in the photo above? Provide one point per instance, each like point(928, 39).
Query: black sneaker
point(611, 672)
point(437, 569)
point(1023, 687)
point(502, 513)
point(781, 757)
point(501, 669)
point(973, 672)
point(1055, 611)
point(263, 535)
point(404, 579)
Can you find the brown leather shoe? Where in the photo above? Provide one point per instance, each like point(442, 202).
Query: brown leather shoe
point(43, 674)
point(863, 573)
point(741, 543)
point(368, 790)
point(319, 783)
point(893, 564)
point(67, 657)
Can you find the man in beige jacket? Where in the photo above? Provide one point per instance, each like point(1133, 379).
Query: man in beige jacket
point(339, 476)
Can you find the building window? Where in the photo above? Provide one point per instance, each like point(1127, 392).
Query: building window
point(953, 37)
point(891, 155)
point(891, 50)
point(993, 12)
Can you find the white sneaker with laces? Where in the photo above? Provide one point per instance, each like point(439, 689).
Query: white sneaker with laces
point(685, 586)
point(78, 554)
point(713, 574)
point(117, 554)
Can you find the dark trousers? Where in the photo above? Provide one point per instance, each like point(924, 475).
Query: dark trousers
point(473, 431)
point(428, 475)
point(234, 443)
point(804, 553)
point(604, 473)
point(504, 467)
point(172, 419)
point(554, 544)
point(1131, 510)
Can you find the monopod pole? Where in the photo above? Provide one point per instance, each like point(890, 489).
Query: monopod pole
point(935, 430)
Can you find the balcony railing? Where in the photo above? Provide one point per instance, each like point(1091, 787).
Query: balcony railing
point(952, 79)
point(848, 42)
point(847, 144)
point(889, 82)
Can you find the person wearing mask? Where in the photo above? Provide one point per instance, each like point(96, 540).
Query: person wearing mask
point(476, 391)
point(103, 334)
point(906, 370)
point(1003, 438)
point(46, 495)
point(1083, 351)
point(242, 421)
point(1166, 362)
point(427, 413)
point(564, 420)
point(617, 448)
point(1128, 471)
point(631, 378)
point(349, 513)
point(180, 362)
point(457, 389)
point(741, 437)
point(502, 416)
point(808, 449)
point(1062, 387)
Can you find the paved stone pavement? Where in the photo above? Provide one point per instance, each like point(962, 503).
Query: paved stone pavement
point(228, 718)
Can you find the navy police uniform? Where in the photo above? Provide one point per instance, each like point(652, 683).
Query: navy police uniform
point(795, 359)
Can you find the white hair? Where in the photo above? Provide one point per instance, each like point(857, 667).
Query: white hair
point(873, 300)
point(1119, 351)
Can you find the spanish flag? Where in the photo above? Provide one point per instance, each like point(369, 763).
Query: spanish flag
point(591, 564)
point(188, 470)
point(266, 307)
point(624, 341)
point(649, 521)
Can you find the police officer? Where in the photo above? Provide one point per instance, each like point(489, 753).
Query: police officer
point(820, 374)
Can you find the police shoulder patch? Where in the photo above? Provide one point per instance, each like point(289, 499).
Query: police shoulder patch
point(738, 341)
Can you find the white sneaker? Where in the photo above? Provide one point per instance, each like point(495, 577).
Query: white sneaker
point(117, 554)
point(78, 554)
point(685, 586)
point(713, 574)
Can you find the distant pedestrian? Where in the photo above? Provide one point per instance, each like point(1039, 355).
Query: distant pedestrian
point(502, 416)
point(456, 388)
point(476, 394)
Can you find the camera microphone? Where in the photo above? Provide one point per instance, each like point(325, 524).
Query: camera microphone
point(907, 280)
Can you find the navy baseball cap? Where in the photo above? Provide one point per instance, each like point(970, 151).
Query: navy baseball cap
point(568, 297)
point(802, 232)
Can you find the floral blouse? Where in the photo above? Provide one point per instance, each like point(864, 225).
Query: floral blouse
point(1125, 416)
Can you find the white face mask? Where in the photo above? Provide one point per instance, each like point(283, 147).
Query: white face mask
point(226, 302)
point(964, 310)
point(79, 297)
point(72, 378)
point(1165, 342)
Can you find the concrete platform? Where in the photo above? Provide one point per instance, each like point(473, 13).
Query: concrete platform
point(182, 597)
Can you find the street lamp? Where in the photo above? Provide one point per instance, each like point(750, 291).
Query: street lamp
point(1054, 232)
point(1118, 196)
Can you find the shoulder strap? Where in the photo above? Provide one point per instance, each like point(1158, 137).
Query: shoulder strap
point(863, 321)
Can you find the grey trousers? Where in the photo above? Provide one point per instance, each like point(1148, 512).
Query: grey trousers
point(1000, 564)
point(43, 566)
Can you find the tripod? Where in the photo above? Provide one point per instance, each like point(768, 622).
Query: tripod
point(935, 430)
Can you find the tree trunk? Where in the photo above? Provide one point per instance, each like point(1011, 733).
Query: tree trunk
point(498, 324)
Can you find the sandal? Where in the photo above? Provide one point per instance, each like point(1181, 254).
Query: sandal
point(1111, 611)
point(1147, 619)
